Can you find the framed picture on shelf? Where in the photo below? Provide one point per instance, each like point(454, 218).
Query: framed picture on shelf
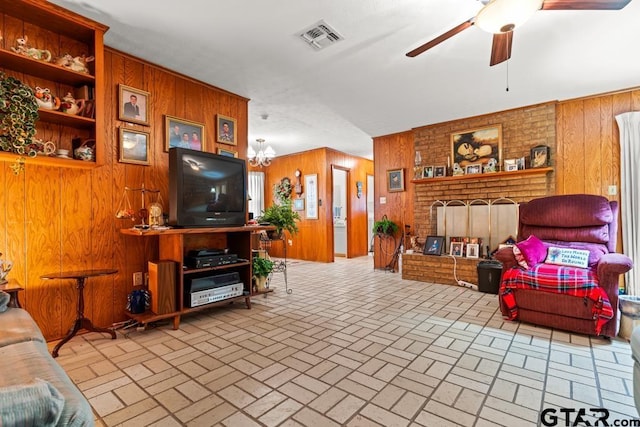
point(540, 156)
point(455, 248)
point(439, 171)
point(427, 172)
point(183, 133)
point(226, 131)
point(477, 145)
point(133, 105)
point(473, 250)
point(395, 180)
point(228, 153)
point(521, 162)
point(473, 169)
point(433, 245)
point(510, 165)
point(134, 147)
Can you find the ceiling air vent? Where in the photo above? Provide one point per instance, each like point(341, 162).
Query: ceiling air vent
point(320, 35)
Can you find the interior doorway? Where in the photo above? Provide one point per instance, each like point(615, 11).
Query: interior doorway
point(370, 213)
point(340, 208)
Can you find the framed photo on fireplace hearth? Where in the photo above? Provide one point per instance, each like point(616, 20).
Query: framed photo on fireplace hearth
point(433, 245)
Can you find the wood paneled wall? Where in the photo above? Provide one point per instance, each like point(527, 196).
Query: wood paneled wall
point(392, 152)
point(54, 219)
point(314, 241)
point(588, 148)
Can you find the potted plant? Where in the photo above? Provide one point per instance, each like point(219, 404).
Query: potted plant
point(385, 226)
point(261, 267)
point(282, 216)
point(18, 115)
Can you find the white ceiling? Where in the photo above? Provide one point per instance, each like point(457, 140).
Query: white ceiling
point(365, 86)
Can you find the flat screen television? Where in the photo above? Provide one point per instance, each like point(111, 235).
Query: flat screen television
point(206, 189)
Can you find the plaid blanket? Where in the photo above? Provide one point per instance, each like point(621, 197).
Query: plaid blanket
point(579, 282)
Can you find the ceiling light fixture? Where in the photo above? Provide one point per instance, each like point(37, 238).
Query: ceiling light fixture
point(502, 16)
point(262, 157)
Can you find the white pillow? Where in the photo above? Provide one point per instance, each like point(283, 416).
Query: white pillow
point(567, 256)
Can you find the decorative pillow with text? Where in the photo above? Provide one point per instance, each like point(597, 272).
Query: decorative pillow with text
point(567, 256)
point(530, 252)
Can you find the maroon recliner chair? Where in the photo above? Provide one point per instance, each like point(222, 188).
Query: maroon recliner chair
point(576, 299)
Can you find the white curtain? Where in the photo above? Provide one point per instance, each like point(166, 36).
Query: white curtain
point(629, 125)
point(256, 193)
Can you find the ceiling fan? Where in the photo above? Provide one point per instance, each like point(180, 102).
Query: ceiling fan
point(501, 17)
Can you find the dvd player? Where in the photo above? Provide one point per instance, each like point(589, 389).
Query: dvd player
point(210, 260)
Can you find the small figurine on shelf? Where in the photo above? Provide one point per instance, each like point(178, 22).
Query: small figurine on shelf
point(491, 166)
point(23, 48)
point(75, 63)
point(46, 100)
point(457, 170)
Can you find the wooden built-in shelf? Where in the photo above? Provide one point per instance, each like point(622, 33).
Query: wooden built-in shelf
point(45, 70)
point(65, 119)
point(481, 176)
point(47, 161)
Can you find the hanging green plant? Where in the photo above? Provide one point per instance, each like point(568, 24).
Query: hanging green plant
point(385, 226)
point(18, 115)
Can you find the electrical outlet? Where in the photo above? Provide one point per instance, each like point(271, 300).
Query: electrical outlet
point(137, 279)
point(613, 190)
point(146, 279)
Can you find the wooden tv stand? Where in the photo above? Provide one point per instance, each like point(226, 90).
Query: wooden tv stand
point(174, 245)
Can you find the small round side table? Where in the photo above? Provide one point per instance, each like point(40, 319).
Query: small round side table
point(81, 322)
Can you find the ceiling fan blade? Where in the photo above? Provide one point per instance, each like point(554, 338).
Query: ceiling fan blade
point(501, 48)
point(584, 4)
point(452, 32)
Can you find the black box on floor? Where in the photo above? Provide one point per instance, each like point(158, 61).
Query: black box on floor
point(489, 273)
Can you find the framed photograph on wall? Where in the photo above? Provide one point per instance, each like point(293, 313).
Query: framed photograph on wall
point(228, 153)
point(395, 180)
point(477, 145)
point(298, 204)
point(226, 131)
point(433, 245)
point(183, 133)
point(133, 105)
point(134, 147)
point(311, 195)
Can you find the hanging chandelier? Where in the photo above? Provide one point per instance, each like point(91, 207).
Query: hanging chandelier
point(262, 157)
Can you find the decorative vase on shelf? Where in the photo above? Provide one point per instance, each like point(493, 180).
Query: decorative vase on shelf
point(417, 162)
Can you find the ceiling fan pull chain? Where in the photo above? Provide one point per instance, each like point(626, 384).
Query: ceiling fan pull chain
point(507, 61)
point(507, 90)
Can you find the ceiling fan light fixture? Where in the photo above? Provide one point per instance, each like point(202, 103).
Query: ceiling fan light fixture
point(502, 16)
